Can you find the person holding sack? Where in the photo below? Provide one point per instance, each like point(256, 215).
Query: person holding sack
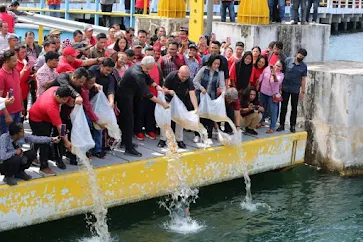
point(270, 82)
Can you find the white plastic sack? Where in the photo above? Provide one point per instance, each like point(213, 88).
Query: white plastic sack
point(106, 115)
point(212, 109)
point(183, 117)
point(81, 134)
point(162, 115)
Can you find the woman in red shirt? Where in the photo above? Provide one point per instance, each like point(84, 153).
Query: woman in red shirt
point(258, 67)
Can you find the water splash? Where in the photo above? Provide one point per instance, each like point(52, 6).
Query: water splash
point(177, 204)
point(99, 210)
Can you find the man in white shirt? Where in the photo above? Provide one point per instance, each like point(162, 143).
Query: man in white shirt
point(4, 35)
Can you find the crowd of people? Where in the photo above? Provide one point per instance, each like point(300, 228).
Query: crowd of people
point(130, 68)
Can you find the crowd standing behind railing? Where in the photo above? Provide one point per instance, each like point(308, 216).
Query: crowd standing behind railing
point(130, 69)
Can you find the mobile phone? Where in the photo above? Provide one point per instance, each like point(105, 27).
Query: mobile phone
point(11, 92)
point(63, 130)
point(271, 68)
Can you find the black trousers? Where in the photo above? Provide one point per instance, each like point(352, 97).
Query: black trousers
point(106, 18)
point(208, 125)
point(126, 119)
point(17, 163)
point(144, 115)
point(285, 102)
point(42, 129)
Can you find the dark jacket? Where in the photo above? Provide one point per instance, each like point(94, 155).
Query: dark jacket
point(64, 79)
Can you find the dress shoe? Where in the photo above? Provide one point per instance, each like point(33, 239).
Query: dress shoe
point(122, 145)
point(293, 129)
point(10, 180)
point(133, 152)
point(280, 128)
point(23, 175)
point(161, 144)
point(251, 131)
point(181, 144)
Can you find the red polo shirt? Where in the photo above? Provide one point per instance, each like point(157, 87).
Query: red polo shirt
point(11, 80)
point(64, 66)
point(7, 18)
point(24, 80)
point(46, 108)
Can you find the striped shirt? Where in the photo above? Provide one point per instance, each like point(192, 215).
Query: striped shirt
point(193, 65)
point(169, 64)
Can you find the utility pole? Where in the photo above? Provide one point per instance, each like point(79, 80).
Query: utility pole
point(209, 17)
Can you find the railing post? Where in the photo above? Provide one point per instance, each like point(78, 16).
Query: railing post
point(66, 14)
point(97, 17)
point(132, 12)
point(42, 5)
point(145, 6)
point(40, 35)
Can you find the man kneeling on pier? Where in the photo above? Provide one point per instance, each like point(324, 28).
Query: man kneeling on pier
point(13, 160)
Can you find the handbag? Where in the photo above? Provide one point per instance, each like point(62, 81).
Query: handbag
point(276, 98)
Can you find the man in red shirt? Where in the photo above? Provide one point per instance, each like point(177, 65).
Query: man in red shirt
point(24, 69)
point(68, 62)
point(5, 17)
point(10, 80)
point(43, 115)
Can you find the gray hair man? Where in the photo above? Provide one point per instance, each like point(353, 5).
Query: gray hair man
point(233, 107)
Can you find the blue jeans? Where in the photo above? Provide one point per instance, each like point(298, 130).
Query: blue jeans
point(97, 137)
point(127, 20)
point(311, 3)
point(266, 102)
point(16, 119)
point(54, 7)
point(230, 6)
point(302, 5)
point(281, 9)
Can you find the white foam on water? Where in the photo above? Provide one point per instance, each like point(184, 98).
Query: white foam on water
point(93, 239)
point(177, 204)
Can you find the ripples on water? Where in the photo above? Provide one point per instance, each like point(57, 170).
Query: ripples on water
point(346, 47)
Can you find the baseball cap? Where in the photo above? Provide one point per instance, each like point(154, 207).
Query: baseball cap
point(69, 51)
point(13, 36)
point(194, 46)
point(136, 44)
point(54, 32)
point(88, 27)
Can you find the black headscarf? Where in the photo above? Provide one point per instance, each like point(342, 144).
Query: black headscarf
point(243, 72)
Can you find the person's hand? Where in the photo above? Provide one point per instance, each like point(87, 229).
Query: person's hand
point(79, 100)
point(260, 109)
point(9, 101)
point(19, 151)
point(8, 120)
point(112, 105)
point(185, 43)
point(159, 88)
point(100, 59)
point(26, 68)
point(251, 108)
point(102, 125)
point(204, 91)
point(165, 105)
point(98, 87)
point(68, 145)
point(56, 140)
point(301, 95)
point(171, 92)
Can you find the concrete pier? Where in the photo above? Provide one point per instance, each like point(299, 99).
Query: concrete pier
point(314, 38)
point(332, 114)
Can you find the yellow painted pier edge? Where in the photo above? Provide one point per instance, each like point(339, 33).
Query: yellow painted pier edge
point(52, 198)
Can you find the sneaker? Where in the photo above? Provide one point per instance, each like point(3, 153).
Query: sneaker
point(196, 139)
point(10, 180)
point(23, 175)
point(36, 163)
point(161, 144)
point(140, 136)
point(151, 135)
point(47, 172)
point(181, 144)
point(251, 131)
point(280, 128)
point(100, 155)
point(60, 164)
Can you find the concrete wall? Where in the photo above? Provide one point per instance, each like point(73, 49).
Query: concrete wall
point(332, 112)
point(314, 38)
point(151, 23)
